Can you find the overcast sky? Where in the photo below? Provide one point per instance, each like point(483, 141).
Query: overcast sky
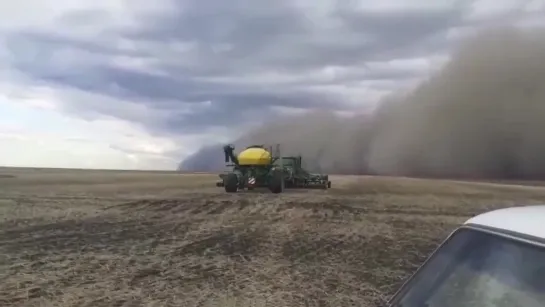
point(141, 84)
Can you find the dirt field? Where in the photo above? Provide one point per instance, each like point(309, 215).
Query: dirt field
point(105, 238)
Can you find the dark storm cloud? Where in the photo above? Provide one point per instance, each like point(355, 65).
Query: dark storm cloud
point(397, 32)
point(247, 108)
point(266, 34)
point(193, 53)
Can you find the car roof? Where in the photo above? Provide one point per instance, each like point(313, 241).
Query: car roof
point(527, 220)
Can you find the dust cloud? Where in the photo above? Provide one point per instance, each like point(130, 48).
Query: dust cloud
point(481, 116)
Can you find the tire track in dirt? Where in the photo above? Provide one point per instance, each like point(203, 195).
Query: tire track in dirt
point(256, 204)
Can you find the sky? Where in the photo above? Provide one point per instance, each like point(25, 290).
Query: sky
point(140, 85)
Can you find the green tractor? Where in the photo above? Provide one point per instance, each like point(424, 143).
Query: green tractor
point(257, 167)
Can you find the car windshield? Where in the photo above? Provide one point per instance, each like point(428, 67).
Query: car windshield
point(477, 268)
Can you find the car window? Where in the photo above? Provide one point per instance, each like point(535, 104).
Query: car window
point(475, 268)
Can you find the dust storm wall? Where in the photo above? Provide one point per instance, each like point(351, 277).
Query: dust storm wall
point(481, 115)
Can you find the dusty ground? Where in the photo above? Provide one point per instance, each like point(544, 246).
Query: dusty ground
point(98, 238)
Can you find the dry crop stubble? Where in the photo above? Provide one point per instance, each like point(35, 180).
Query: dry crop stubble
point(105, 238)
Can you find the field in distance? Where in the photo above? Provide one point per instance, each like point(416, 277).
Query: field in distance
point(122, 238)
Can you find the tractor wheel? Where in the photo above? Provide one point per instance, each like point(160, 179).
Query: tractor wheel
point(231, 183)
point(329, 184)
point(275, 184)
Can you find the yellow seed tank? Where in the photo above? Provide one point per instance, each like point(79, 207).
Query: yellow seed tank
point(254, 156)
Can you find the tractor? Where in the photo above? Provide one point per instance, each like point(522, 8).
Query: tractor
point(256, 167)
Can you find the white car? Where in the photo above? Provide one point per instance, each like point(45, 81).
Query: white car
point(493, 259)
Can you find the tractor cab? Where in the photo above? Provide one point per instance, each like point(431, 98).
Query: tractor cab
point(293, 162)
point(494, 259)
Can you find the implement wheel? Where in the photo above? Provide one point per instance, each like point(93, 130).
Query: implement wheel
point(230, 182)
point(325, 185)
point(275, 183)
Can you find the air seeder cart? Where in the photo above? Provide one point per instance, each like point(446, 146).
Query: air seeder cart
point(256, 167)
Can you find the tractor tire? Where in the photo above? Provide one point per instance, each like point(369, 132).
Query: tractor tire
point(275, 184)
point(329, 184)
point(230, 182)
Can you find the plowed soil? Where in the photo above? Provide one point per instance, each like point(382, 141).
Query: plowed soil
point(105, 238)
